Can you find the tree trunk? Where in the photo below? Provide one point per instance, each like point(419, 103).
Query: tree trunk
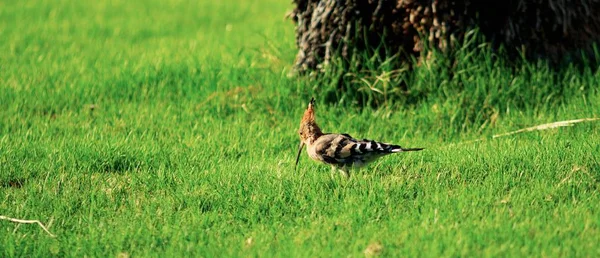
point(553, 29)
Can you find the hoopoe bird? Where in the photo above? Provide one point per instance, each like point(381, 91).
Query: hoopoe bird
point(341, 151)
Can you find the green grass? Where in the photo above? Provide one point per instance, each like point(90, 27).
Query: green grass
point(168, 128)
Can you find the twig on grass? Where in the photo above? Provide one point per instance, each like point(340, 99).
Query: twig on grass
point(534, 128)
point(22, 221)
point(547, 126)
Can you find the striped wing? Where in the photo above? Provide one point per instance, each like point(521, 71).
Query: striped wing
point(342, 150)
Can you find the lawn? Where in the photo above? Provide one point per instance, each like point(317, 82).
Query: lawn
point(168, 128)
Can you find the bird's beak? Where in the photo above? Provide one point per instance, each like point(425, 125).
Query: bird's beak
point(298, 156)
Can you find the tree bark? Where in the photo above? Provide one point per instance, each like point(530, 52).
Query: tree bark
point(552, 29)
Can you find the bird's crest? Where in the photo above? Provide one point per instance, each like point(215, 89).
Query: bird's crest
point(309, 114)
point(309, 130)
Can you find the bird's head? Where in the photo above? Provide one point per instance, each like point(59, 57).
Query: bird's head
point(309, 130)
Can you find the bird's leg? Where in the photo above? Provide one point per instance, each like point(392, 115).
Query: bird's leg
point(345, 171)
point(333, 171)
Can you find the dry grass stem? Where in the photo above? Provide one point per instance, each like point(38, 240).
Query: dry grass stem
point(22, 221)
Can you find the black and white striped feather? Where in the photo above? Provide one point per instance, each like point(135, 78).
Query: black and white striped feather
point(342, 150)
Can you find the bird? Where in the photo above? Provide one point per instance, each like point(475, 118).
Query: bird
point(341, 151)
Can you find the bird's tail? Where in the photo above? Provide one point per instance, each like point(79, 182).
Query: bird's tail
point(397, 148)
